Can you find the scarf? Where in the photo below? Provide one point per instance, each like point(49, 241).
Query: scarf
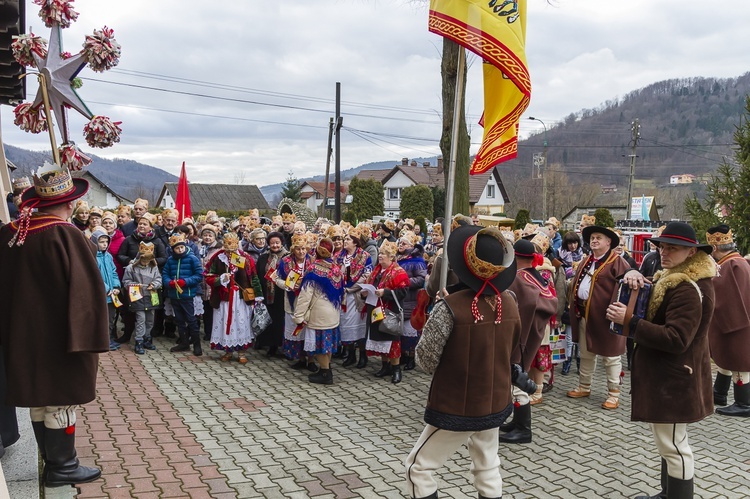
point(326, 275)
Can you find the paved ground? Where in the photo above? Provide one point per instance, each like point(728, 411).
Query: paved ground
point(173, 425)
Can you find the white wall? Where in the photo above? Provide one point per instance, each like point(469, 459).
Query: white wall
point(167, 201)
point(492, 205)
point(397, 181)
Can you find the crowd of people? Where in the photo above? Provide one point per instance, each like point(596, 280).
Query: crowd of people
point(354, 293)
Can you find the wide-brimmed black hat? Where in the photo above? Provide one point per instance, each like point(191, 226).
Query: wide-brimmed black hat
point(591, 229)
point(680, 234)
point(471, 246)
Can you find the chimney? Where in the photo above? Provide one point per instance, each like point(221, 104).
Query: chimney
point(426, 164)
point(413, 162)
point(440, 165)
point(404, 161)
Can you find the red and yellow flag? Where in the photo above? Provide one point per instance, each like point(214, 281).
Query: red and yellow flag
point(495, 30)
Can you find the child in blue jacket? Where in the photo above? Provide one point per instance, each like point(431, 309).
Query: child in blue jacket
point(182, 276)
point(107, 269)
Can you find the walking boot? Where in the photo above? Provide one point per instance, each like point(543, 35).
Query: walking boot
point(741, 406)
point(39, 431)
point(362, 362)
point(664, 484)
point(385, 370)
point(506, 427)
point(148, 343)
point(566, 367)
point(410, 364)
point(679, 489)
point(197, 350)
point(351, 357)
point(721, 388)
point(139, 347)
point(180, 347)
point(396, 374)
point(62, 465)
point(521, 433)
point(299, 365)
point(322, 377)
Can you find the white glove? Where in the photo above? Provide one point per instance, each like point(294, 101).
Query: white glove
point(258, 299)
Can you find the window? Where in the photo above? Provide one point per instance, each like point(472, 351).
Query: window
point(490, 191)
point(394, 193)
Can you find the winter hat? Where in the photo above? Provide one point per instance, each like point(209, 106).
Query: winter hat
point(98, 234)
point(149, 217)
point(96, 212)
point(146, 254)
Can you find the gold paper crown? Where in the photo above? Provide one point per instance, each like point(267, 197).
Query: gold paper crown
point(312, 239)
point(588, 220)
point(143, 202)
point(529, 229)
point(81, 205)
point(389, 248)
point(288, 217)
point(719, 238)
point(244, 220)
point(542, 241)
point(345, 225)
point(334, 231)
point(21, 183)
point(51, 181)
point(409, 222)
point(299, 241)
point(410, 237)
point(169, 213)
point(253, 212)
point(277, 219)
point(177, 238)
point(150, 217)
point(300, 227)
point(437, 229)
point(96, 211)
point(390, 225)
point(252, 224)
point(124, 209)
point(108, 215)
point(553, 221)
point(231, 241)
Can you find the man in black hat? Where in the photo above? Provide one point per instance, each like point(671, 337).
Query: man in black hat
point(467, 344)
point(537, 303)
point(671, 380)
point(51, 349)
point(729, 334)
point(593, 285)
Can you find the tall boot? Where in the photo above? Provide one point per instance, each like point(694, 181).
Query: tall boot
point(409, 364)
point(521, 434)
point(38, 427)
point(679, 489)
point(741, 406)
point(362, 362)
point(664, 484)
point(63, 467)
point(195, 336)
point(385, 370)
point(183, 344)
point(721, 388)
point(396, 374)
point(125, 338)
point(351, 356)
point(506, 427)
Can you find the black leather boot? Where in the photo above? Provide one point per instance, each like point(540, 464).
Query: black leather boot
point(181, 347)
point(741, 406)
point(721, 388)
point(39, 431)
point(196, 339)
point(410, 364)
point(521, 433)
point(679, 489)
point(322, 377)
point(351, 356)
point(385, 370)
point(664, 484)
point(362, 362)
point(506, 427)
point(396, 374)
point(62, 466)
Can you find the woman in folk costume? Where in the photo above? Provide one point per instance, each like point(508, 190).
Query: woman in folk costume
point(356, 266)
point(411, 259)
point(317, 307)
point(336, 234)
point(268, 263)
point(229, 272)
point(288, 277)
point(390, 281)
point(207, 248)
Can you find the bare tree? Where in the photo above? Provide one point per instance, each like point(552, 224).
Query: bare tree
point(239, 177)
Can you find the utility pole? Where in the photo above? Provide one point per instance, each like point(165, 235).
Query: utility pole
point(635, 128)
point(544, 169)
point(329, 151)
point(339, 122)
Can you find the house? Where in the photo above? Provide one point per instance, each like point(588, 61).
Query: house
point(682, 178)
point(99, 193)
point(487, 193)
point(609, 188)
point(223, 197)
point(311, 194)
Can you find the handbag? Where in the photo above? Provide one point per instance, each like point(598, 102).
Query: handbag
point(261, 318)
point(393, 322)
point(248, 294)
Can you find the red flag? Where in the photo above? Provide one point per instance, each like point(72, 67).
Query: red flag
point(182, 203)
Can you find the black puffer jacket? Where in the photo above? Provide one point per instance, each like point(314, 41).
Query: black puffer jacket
point(129, 249)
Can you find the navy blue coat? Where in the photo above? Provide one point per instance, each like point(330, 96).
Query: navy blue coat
point(186, 266)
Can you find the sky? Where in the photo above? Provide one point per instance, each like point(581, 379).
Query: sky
point(243, 90)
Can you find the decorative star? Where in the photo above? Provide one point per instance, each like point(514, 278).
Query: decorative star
point(58, 75)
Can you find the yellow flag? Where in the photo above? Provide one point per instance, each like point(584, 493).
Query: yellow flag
point(495, 30)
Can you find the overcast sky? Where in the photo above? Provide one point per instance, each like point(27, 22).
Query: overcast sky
point(249, 85)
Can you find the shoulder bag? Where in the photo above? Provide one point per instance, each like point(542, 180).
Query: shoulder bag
point(393, 322)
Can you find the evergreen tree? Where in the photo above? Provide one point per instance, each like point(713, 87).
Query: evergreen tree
point(522, 218)
point(438, 201)
point(291, 188)
point(604, 218)
point(416, 201)
point(367, 198)
point(728, 194)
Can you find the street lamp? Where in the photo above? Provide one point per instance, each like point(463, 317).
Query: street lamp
point(544, 168)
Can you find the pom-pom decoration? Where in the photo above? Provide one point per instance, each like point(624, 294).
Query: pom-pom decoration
point(102, 132)
point(58, 12)
point(101, 50)
point(30, 119)
point(24, 46)
point(72, 158)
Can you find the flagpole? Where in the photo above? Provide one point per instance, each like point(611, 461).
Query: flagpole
point(450, 187)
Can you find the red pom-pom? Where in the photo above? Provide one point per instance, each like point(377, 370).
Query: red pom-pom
point(101, 50)
point(54, 12)
point(30, 119)
point(70, 430)
point(25, 46)
point(739, 382)
point(102, 132)
point(72, 158)
point(516, 404)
